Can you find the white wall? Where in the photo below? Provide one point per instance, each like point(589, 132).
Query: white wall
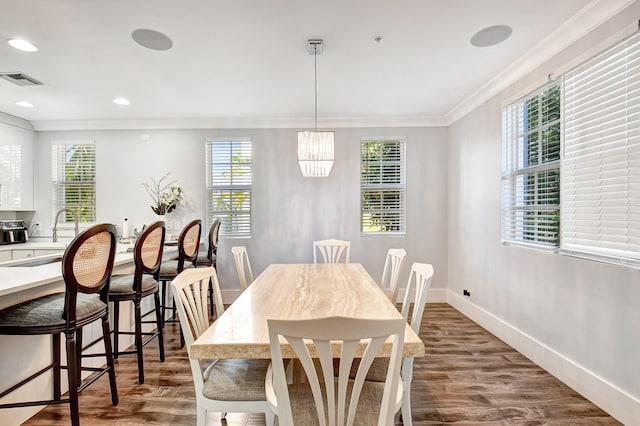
point(578, 319)
point(288, 211)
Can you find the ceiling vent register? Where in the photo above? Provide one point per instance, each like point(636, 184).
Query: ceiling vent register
point(20, 79)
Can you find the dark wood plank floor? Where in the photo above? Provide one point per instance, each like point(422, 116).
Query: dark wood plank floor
point(468, 377)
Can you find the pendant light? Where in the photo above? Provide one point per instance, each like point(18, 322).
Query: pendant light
point(315, 148)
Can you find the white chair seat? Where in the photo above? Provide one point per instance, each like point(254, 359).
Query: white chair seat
point(236, 380)
point(304, 410)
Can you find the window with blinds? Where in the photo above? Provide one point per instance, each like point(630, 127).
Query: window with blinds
point(229, 185)
point(74, 181)
point(531, 168)
point(383, 186)
point(601, 157)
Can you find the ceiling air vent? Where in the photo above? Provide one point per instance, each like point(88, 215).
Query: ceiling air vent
point(20, 79)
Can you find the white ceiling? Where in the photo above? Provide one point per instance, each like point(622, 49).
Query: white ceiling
point(244, 63)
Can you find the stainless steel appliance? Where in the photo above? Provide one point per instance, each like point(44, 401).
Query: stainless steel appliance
point(13, 232)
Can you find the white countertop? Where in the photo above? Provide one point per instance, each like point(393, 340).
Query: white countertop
point(14, 279)
point(35, 245)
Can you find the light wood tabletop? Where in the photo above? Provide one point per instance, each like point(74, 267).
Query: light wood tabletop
point(297, 291)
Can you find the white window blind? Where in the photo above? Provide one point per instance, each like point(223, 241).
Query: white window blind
point(383, 186)
point(530, 168)
point(229, 185)
point(74, 181)
point(601, 159)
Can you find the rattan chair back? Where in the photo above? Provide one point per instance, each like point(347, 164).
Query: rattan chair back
point(87, 265)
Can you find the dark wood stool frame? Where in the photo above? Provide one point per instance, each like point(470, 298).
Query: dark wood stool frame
point(189, 235)
point(95, 240)
point(212, 257)
point(147, 262)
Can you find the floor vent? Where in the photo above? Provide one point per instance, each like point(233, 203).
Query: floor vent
point(20, 79)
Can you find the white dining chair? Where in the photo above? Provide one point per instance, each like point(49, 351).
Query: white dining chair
point(391, 272)
point(243, 266)
point(347, 401)
point(332, 251)
point(416, 293)
point(224, 385)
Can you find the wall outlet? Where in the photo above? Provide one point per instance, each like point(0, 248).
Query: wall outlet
point(466, 293)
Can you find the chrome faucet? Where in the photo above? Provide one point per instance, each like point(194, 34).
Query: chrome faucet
point(55, 224)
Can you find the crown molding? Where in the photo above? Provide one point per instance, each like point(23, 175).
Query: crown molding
point(237, 123)
point(583, 22)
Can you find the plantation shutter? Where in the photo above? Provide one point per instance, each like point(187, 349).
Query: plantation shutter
point(229, 186)
point(530, 168)
point(74, 181)
point(601, 161)
point(383, 186)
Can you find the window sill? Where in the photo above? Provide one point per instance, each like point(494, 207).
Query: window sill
point(530, 246)
point(383, 234)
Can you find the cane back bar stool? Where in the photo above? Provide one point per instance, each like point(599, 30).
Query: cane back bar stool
point(86, 268)
point(133, 288)
point(210, 258)
point(188, 244)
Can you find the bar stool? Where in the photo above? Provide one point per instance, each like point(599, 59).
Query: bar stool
point(133, 288)
point(86, 269)
point(188, 243)
point(211, 257)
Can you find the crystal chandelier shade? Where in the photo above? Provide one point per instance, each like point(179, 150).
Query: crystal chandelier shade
point(315, 153)
point(315, 148)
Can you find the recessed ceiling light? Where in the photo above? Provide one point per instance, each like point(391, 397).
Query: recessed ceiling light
point(25, 104)
point(491, 36)
point(22, 45)
point(151, 39)
point(121, 101)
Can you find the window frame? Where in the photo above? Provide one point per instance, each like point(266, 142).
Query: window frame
point(60, 184)
point(225, 215)
point(518, 199)
point(400, 186)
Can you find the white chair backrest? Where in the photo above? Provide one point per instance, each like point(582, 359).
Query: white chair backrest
point(418, 284)
point(243, 267)
point(190, 291)
point(391, 272)
point(324, 333)
point(331, 251)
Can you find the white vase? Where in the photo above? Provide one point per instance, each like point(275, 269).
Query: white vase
point(161, 217)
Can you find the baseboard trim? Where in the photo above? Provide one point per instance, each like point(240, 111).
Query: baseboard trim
point(435, 295)
point(229, 296)
point(616, 402)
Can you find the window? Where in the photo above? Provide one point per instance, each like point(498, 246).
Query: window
point(531, 168)
point(383, 184)
point(74, 181)
point(601, 157)
point(229, 185)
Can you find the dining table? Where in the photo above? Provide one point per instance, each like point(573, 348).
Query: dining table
point(303, 291)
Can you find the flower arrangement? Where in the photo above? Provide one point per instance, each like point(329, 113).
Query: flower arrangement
point(165, 196)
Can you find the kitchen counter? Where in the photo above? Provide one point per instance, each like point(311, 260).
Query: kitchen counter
point(35, 245)
point(21, 283)
point(23, 354)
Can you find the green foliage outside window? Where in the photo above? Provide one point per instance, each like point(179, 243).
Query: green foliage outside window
point(382, 186)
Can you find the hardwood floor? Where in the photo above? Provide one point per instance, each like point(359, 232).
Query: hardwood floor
point(467, 377)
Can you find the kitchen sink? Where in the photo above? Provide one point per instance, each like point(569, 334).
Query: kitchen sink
point(37, 262)
point(29, 263)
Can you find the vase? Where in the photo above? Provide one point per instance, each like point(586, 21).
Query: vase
point(161, 217)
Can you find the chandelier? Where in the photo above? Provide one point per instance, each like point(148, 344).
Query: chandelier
point(315, 148)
